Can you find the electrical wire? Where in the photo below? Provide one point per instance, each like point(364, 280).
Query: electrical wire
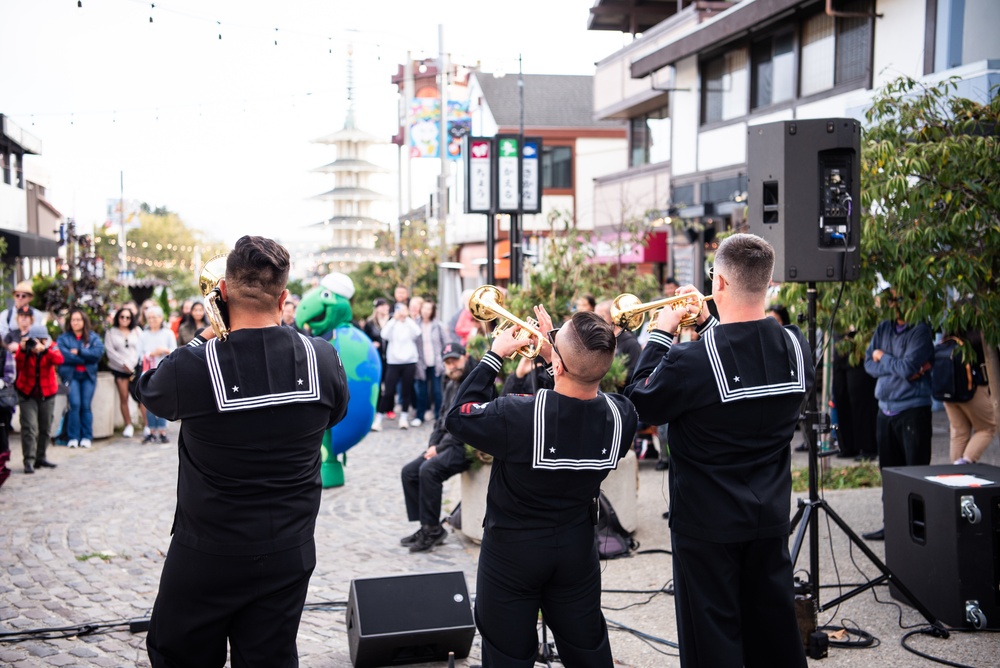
point(649, 639)
point(931, 631)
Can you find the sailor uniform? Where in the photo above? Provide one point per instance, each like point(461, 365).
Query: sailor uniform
point(254, 410)
point(732, 399)
point(551, 453)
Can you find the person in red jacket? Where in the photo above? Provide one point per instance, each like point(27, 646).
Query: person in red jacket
point(37, 357)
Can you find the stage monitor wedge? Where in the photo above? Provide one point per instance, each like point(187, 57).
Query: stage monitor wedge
point(409, 619)
point(804, 180)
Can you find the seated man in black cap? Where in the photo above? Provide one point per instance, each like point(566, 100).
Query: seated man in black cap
point(424, 477)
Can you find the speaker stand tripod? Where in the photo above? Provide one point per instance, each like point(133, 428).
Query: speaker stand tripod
point(808, 511)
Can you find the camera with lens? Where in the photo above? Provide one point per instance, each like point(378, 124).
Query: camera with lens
point(30, 344)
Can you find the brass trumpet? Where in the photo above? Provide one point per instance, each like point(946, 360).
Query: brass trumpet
point(628, 312)
point(215, 309)
point(486, 303)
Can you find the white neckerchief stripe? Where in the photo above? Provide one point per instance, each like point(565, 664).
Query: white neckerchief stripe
point(609, 461)
point(224, 403)
point(727, 393)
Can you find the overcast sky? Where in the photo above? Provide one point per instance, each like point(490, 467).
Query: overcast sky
point(221, 130)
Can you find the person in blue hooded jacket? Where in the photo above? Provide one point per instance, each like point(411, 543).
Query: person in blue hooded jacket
point(82, 350)
point(900, 357)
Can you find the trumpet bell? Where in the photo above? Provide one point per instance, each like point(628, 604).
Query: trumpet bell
point(624, 313)
point(215, 309)
point(486, 304)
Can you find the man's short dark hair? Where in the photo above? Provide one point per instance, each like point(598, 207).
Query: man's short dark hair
point(746, 261)
point(256, 273)
point(592, 341)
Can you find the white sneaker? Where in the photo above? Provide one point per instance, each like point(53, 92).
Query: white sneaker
point(85, 443)
point(377, 423)
point(404, 422)
point(415, 422)
point(128, 431)
point(72, 443)
point(145, 432)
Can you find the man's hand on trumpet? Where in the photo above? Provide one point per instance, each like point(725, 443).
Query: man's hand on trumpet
point(669, 319)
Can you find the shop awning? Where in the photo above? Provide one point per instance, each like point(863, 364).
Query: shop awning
point(22, 244)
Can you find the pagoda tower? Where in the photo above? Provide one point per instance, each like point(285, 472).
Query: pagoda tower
point(353, 231)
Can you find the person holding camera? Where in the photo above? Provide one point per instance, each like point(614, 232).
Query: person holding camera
point(36, 358)
point(82, 349)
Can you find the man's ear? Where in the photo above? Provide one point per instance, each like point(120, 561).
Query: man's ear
point(223, 290)
point(282, 298)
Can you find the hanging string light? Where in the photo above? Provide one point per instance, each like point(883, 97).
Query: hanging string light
point(219, 24)
point(152, 6)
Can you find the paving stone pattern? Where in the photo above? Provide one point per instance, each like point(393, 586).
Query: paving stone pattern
point(84, 544)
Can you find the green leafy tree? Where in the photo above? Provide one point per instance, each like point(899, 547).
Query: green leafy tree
point(162, 247)
point(567, 270)
point(415, 267)
point(930, 202)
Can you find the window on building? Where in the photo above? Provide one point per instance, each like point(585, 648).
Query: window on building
point(557, 167)
point(724, 87)
point(649, 138)
point(773, 67)
point(835, 50)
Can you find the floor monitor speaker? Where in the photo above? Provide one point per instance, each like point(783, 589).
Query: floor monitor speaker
point(409, 619)
point(942, 539)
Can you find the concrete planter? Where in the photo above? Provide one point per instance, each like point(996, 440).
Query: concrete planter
point(621, 487)
point(104, 407)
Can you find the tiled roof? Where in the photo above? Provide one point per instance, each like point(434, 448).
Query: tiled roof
point(550, 101)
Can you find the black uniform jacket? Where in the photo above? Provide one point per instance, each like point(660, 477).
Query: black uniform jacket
point(732, 399)
point(254, 410)
point(550, 451)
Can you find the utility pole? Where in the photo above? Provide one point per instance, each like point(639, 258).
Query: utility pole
point(516, 225)
point(442, 212)
point(122, 261)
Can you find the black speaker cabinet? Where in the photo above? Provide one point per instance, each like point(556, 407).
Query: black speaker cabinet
point(804, 180)
point(942, 539)
point(409, 619)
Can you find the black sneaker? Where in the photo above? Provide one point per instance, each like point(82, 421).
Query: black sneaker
point(28, 468)
point(148, 438)
point(874, 535)
point(44, 464)
point(162, 438)
point(428, 538)
point(411, 539)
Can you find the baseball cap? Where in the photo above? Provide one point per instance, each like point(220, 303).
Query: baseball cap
point(451, 350)
point(39, 332)
point(26, 310)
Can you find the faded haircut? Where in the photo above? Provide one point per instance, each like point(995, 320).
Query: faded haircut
point(747, 263)
point(256, 273)
point(592, 344)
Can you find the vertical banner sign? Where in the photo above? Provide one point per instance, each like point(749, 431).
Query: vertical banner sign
point(508, 173)
point(531, 200)
point(478, 154)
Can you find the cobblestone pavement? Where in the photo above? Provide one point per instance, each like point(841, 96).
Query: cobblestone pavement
point(83, 544)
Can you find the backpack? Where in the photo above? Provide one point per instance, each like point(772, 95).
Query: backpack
point(952, 379)
point(612, 539)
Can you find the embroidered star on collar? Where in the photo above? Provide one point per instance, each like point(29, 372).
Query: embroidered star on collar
point(236, 388)
point(299, 381)
point(793, 373)
point(736, 379)
point(604, 451)
point(552, 450)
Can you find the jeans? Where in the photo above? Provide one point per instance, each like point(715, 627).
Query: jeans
point(36, 423)
point(428, 388)
point(80, 419)
point(155, 422)
point(904, 439)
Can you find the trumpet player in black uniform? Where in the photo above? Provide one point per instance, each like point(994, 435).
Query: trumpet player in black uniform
point(254, 409)
point(551, 452)
point(732, 399)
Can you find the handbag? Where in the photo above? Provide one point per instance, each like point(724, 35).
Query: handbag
point(8, 397)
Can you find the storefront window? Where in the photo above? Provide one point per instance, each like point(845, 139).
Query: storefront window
point(557, 167)
point(649, 138)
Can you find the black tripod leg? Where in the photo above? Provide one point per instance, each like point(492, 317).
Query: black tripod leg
point(887, 574)
point(803, 513)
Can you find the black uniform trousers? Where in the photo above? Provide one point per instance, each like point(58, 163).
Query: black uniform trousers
point(558, 574)
point(253, 601)
point(735, 604)
point(423, 483)
point(904, 439)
